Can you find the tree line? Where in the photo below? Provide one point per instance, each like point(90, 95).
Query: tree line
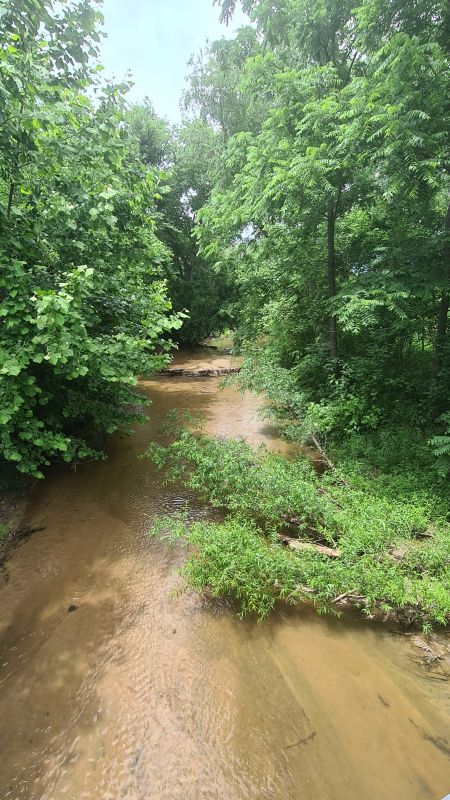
point(303, 203)
point(330, 214)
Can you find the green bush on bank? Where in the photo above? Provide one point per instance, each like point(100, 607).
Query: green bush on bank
point(83, 301)
point(393, 553)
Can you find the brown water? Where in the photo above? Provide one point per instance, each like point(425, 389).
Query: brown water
point(146, 693)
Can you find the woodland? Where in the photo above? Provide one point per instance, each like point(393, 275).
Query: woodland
point(303, 207)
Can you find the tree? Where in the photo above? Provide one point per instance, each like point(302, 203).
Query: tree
point(216, 89)
point(335, 204)
point(83, 301)
point(193, 284)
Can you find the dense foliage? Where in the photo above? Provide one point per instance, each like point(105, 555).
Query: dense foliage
point(331, 214)
point(83, 308)
point(192, 161)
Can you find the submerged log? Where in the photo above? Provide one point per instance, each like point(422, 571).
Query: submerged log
point(207, 372)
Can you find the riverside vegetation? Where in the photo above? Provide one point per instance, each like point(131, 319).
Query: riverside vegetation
point(303, 203)
point(349, 538)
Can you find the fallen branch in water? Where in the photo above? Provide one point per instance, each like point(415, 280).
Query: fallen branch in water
point(344, 599)
point(343, 596)
point(208, 372)
point(404, 617)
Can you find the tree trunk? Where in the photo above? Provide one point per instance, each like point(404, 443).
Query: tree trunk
point(441, 328)
point(332, 207)
point(444, 304)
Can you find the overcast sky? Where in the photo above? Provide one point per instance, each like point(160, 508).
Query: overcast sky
point(155, 39)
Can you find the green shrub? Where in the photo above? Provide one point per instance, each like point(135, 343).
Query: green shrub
point(83, 303)
point(264, 494)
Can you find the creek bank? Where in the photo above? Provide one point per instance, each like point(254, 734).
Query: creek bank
point(13, 504)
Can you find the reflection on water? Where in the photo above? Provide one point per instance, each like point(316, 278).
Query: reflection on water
point(141, 692)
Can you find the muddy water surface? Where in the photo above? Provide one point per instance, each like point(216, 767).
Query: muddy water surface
point(141, 692)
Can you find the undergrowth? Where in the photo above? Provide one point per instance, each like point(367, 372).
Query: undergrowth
point(393, 550)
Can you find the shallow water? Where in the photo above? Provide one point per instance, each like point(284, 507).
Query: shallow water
point(146, 693)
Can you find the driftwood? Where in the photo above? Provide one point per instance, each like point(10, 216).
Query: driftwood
point(296, 544)
point(343, 596)
point(344, 599)
point(405, 617)
point(208, 372)
point(328, 463)
point(347, 598)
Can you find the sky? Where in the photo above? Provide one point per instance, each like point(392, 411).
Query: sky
point(154, 39)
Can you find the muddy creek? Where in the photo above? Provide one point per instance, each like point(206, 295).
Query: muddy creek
point(143, 692)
